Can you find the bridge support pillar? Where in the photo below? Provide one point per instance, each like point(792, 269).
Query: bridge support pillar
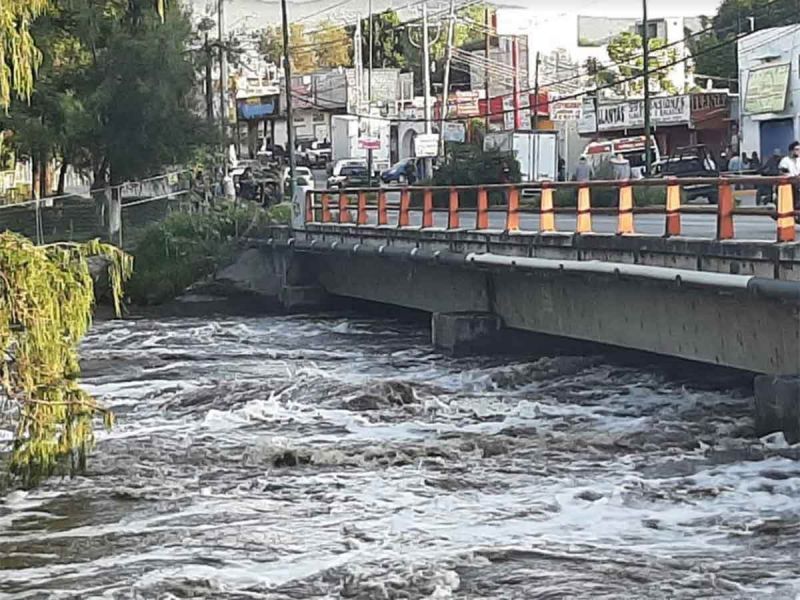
point(459, 334)
point(298, 298)
point(778, 406)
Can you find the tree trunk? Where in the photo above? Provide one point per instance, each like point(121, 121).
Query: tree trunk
point(62, 176)
point(35, 175)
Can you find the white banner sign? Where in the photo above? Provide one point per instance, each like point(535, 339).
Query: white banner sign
point(669, 110)
point(454, 132)
point(565, 110)
point(426, 145)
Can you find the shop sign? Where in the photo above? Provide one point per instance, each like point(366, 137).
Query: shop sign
point(766, 89)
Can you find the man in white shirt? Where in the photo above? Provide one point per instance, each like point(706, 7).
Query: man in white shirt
point(790, 165)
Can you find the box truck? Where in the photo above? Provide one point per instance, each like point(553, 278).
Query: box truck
point(346, 130)
point(536, 152)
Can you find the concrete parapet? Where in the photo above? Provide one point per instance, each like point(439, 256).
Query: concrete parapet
point(777, 402)
point(459, 334)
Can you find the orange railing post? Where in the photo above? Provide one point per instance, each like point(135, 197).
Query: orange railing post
point(309, 207)
point(452, 213)
point(482, 213)
point(383, 215)
point(673, 226)
point(725, 212)
point(547, 214)
point(785, 219)
point(361, 219)
point(625, 210)
point(326, 209)
point(583, 223)
point(512, 218)
point(405, 204)
point(344, 212)
point(427, 208)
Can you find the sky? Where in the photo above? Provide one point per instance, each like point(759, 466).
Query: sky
point(255, 14)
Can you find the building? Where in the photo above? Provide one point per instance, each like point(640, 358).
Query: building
point(577, 38)
point(679, 120)
point(770, 88)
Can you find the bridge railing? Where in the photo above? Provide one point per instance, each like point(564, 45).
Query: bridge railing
point(418, 206)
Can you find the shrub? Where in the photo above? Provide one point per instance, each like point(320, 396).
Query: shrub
point(186, 247)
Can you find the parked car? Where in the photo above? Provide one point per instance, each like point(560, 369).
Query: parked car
point(349, 173)
point(318, 154)
point(402, 173)
point(300, 174)
point(691, 162)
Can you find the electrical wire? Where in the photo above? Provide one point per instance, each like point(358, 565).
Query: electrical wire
point(577, 95)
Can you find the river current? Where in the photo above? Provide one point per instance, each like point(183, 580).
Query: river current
point(339, 457)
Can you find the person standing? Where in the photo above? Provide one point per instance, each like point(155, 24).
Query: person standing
point(583, 172)
point(790, 165)
point(755, 162)
point(735, 166)
point(621, 167)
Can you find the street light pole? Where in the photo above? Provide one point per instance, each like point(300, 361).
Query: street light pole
point(287, 75)
point(646, 59)
point(426, 75)
point(223, 74)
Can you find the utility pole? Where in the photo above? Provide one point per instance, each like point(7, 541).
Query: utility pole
point(486, 68)
point(209, 82)
point(223, 76)
point(287, 75)
point(451, 25)
point(369, 97)
point(515, 87)
point(536, 92)
point(426, 72)
point(646, 57)
point(369, 74)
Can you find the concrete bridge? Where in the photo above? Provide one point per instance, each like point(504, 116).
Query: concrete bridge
point(719, 300)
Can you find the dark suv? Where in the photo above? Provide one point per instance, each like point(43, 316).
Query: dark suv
point(691, 162)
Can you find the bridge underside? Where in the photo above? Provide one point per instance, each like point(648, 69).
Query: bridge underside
point(725, 326)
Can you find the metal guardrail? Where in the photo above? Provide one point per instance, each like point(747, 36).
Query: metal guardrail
point(104, 213)
point(372, 208)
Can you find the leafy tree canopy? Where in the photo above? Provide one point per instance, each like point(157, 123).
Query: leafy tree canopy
point(114, 90)
point(715, 52)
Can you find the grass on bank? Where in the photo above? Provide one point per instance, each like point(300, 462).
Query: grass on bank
point(187, 247)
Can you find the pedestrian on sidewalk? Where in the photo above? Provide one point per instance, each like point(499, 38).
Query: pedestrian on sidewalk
point(790, 165)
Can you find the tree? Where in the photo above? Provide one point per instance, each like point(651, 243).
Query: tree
point(332, 46)
point(625, 50)
point(114, 94)
point(715, 52)
point(301, 49)
point(19, 57)
point(46, 300)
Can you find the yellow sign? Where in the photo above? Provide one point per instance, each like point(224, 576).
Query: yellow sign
point(766, 89)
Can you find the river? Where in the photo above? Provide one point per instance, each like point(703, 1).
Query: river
point(339, 457)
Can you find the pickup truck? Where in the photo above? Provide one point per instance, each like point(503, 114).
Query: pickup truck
point(691, 162)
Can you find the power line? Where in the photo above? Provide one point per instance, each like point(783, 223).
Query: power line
point(578, 94)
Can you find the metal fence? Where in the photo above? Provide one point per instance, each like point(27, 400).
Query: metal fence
point(115, 214)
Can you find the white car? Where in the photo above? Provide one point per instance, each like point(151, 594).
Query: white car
point(299, 173)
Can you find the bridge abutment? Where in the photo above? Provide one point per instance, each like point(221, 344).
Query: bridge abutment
point(463, 333)
point(777, 404)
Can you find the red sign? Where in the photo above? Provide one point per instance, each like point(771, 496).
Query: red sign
point(369, 143)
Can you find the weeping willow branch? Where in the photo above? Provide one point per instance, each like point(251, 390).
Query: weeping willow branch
point(46, 301)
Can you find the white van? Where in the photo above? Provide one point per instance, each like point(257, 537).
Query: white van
point(631, 148)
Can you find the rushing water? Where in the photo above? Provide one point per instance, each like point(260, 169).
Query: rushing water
point(339, 457)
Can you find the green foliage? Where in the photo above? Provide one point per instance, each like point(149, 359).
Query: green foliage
point(113, 95)
point(625, 50)
point(19, 57)
point(731, 20)
point(46, 301)
point(327, 47)
point(186, 247)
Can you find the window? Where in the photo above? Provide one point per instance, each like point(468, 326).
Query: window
point(655, 29)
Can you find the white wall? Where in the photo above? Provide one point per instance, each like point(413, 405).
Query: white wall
point(550, 29)
point(769, 46)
